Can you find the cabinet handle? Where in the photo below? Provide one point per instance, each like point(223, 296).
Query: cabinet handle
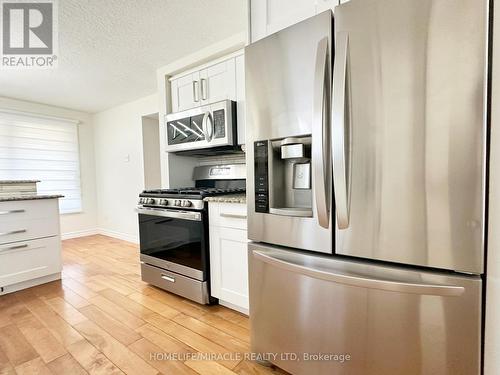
point(204, 89)
point(196, 95)
point(168, 278)
point(233, 216)
point(14, 247)
point(11, 212)
point(13, 232)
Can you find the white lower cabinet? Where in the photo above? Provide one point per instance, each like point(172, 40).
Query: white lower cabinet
point(228, 255)
point(28, 260)
point(30, 243)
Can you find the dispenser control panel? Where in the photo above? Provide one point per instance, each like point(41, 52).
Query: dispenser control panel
point(261, 176)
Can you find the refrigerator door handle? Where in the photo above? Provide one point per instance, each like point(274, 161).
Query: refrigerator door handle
point(340, 119)
point(319, 128)
point(362, 281)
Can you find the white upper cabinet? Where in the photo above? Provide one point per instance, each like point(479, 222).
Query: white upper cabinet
point(269, 16)
point(217, 82)
point(211, 83)
point(185, 92)
point(322, 5)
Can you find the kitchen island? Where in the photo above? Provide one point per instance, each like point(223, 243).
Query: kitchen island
point(30, 241)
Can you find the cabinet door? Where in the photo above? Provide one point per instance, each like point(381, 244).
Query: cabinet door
point(217, 82)
point(269, 16)
point(186, 92)
point(240, 97)
point(229, 265)
point(28, 260)
point(323, 5)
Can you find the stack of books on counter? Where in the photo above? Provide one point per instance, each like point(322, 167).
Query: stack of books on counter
point(9, 188)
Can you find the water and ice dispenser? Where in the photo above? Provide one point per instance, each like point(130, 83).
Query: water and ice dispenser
point(283, 176)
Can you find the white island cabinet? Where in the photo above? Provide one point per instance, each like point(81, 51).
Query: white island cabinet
point(30, 243)
point(228, 254)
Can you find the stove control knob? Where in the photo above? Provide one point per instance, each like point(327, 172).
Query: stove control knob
point(140, 200)
point(164, 202)
point(186, 204)
point(150, 201)
point(177, 203)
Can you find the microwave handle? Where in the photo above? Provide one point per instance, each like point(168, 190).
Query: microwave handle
point(208, 126)
point(321, 113)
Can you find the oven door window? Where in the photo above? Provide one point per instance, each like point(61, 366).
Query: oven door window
point(178, 241)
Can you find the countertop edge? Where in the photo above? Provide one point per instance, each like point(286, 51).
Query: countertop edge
point(29, 197)
point(231, 198)
point(11, 182)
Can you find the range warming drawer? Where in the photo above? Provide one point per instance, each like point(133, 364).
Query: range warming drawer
point(388, 320)
point(192, 289)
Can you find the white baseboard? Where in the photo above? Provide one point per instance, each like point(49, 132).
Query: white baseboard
point(104, 232)
point(79, 233)
point(118, 235)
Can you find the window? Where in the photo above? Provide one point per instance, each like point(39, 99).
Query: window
point(42, 148)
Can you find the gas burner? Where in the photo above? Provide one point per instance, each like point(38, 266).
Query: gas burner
point(200, 192)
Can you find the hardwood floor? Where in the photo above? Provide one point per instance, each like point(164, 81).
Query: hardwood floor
point(102, 319)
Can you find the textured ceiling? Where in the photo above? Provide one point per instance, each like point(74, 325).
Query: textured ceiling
point(109, 50)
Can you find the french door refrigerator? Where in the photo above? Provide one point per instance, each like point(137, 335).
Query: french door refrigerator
point(380, 272)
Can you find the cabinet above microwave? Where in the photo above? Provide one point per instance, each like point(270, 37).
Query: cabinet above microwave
point(221, 80)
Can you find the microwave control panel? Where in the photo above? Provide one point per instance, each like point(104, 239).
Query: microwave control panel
point(261, 176)
point(219, 123)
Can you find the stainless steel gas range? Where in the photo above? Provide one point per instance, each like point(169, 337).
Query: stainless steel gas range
point(173, 230)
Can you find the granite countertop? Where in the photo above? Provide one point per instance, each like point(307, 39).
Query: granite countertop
point(5, 182)
point(28, 197)
point(230, 198)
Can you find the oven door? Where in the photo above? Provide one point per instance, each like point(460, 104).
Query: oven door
point(174, 240)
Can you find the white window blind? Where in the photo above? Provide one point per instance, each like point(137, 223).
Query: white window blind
point(42, 148)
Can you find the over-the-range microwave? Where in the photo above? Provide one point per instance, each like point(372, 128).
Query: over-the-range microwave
point(212, 126)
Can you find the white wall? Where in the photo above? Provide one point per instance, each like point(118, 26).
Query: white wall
point(151, 152)
point(82, 223)
point(119, 165)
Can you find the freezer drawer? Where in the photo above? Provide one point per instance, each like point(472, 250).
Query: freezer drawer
point(389, 321)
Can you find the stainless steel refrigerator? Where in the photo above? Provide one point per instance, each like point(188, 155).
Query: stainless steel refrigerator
point(366, 156)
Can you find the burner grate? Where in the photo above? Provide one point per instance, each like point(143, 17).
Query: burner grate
point(199, 191)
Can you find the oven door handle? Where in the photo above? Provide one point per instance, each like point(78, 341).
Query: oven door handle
point(175, 214)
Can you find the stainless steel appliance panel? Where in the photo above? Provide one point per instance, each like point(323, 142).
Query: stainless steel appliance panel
point(389, 320)
point(212, 125)
point(409, 131)
point(288, 83)
point(192, 289)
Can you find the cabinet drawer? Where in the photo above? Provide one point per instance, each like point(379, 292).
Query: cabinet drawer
point(28, 209)
point(23, 230)
point(25, 220)
point(29, 260)
point(229, 215)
